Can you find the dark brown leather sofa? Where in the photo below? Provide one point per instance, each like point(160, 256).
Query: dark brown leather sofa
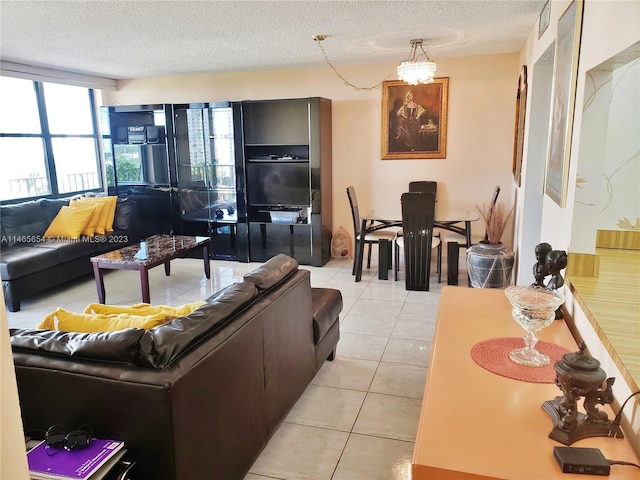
point(198, 397)
point(30, 264)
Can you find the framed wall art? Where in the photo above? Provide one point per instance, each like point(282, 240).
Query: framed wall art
point(565, 73)
point(414, 120)
point(518, 136)
point(545, 15)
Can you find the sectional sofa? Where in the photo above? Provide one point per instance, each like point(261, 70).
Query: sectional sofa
point(29, 263)
point(197, 397)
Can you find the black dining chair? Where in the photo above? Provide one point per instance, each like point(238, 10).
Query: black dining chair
point(370, 237)
point(460, 240)
point(428, 186)
point(418, 211)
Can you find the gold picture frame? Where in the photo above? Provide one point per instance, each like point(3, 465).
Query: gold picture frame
point(565, 77)
point(521, 110)
point(414, 120)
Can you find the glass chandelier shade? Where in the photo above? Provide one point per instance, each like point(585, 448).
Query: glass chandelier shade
point(415, 72)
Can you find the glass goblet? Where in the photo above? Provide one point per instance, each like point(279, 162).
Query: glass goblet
point(533, 308)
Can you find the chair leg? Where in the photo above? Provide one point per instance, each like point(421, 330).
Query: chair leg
point(369, 256)
point(396, 260)
point(439, 261)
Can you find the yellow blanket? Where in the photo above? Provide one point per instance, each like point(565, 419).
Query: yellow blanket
point(104, 318)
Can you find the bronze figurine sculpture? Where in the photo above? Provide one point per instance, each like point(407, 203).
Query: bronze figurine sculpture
point(579, 375)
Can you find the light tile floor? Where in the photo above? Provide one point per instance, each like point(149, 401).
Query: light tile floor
point(358, 418)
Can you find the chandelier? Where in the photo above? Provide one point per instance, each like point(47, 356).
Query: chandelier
point(411, 70)
point(414, 71)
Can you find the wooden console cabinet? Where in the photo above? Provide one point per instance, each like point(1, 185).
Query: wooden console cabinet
point(475, 424)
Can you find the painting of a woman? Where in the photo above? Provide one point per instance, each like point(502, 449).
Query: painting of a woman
point(414, 120)
point(409, 114)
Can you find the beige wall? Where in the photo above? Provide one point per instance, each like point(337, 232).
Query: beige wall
point(13, 459)
point(480, 128)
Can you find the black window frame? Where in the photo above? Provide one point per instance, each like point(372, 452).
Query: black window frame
point(49, 158)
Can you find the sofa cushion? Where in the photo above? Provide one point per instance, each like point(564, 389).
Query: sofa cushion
point(22, 260)
point(51, 206)
point(161, 345)
point(272, 272)
point(119, 346)
point(126, 217)
point(68, 250)
point(327, 305)
point(70, 222)
point(22, 223)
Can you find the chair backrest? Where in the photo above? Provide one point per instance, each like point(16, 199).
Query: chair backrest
point(418, 211)
point(355, 213)
point(424, 186)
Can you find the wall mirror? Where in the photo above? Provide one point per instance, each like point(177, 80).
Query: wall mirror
point(607, 204)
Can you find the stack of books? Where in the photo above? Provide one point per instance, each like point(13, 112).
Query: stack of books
point(90, 463)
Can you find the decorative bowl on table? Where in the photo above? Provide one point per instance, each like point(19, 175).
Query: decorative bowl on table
point(533, 308)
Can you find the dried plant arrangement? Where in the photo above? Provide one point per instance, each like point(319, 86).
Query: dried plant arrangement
point(495, 219)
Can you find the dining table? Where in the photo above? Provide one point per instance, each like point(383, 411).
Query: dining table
point(457, 220)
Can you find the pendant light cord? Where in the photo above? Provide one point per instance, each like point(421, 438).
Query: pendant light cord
point(318, 39)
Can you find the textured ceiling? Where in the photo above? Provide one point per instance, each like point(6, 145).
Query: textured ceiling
point(131, 39)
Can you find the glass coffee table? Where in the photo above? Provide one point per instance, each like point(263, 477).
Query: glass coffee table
point(154, 251)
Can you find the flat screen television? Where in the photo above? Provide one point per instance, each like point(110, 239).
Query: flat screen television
point(282, 183)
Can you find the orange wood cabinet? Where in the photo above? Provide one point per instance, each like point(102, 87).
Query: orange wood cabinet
point(478, 425)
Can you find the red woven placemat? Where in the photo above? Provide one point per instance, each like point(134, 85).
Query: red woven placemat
point(493, 355)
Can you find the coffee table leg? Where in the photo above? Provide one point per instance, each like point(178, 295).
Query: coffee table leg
point(97, 273)
point(144, 283)
point(167, 268)
point(205, 256)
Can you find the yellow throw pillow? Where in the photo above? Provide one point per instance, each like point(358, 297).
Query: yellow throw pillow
point(144, 309)
point(112, 203)
point(70, 222)
point(87, 322)
point(90, 229)
point(105, 222)
point(105, 318)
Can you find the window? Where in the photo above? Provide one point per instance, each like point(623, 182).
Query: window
point(48, 140)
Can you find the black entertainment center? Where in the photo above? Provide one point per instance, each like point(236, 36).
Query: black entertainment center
point(255, 176)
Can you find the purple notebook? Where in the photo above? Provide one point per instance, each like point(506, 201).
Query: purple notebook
point(50, 463)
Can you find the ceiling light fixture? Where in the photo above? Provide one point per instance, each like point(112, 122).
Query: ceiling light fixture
point(411, 70)
point(414, 71)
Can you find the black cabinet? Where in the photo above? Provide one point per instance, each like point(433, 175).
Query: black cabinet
point(287, 161)
point(138, 154)
point(207, 168)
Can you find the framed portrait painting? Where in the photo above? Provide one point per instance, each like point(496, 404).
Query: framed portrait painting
point(518, 140)
point(414, 120)
point(565, 75)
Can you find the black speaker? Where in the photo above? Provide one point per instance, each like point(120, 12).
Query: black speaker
point(154, 134)
point(122, 135)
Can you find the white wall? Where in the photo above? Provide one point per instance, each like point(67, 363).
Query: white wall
point(482, 95)
point(608, 27)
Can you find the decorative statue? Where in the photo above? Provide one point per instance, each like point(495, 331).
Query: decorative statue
point(540, 270)
point(556, 260)
point(549, 262)
point(579, 375)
